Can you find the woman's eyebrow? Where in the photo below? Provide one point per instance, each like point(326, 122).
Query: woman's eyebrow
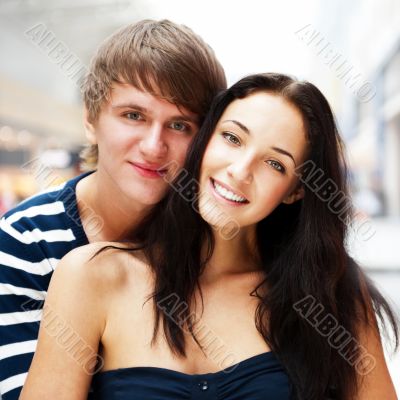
point(284, 152)
point(240, 125)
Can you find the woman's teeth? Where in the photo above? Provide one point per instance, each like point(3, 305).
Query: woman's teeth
point(228, 194)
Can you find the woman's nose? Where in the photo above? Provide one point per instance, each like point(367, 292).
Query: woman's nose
point(240, 171)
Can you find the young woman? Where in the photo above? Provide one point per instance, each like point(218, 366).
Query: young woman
point(239, 285)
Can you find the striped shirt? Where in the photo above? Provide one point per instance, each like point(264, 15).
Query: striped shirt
point(34, 236)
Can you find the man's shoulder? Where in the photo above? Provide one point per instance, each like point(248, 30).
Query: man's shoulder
point(61, 193)
point(42, 197)
point(49, 217)
point(31, 218)
point(44, 208)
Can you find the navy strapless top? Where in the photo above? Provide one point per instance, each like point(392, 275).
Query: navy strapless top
point(257, 378)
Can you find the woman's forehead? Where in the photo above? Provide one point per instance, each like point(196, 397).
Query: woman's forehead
point(268, 120)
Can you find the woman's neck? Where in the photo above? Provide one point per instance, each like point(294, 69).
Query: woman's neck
point(234, 256)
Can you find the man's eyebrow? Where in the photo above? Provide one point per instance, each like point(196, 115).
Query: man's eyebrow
point(180, 117)
point(187, 118)
point(129, 105)
point(246, 130)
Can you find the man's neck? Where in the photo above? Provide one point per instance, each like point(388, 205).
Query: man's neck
point(106, 214)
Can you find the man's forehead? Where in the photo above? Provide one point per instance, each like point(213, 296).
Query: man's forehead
point(125, 95)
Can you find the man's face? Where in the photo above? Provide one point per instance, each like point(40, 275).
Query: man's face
point(137, 134)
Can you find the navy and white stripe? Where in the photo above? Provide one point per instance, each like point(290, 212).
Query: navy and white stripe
point(34, 236)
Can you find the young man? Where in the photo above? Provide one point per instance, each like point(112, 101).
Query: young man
point(146, 93)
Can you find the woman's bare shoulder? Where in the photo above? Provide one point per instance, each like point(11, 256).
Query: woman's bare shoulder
point(102, 263)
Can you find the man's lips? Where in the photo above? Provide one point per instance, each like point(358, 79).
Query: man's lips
point(149, 170)
point(150, 167)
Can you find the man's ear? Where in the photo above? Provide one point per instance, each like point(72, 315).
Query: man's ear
point(297, 194)
point(89, 128)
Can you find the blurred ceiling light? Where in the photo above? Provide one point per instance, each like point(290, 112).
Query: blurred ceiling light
point(6, 133)
point(24, 138)
point(55, 158)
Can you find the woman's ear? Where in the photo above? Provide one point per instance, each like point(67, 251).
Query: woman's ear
point(90, 131)
point(297, 194)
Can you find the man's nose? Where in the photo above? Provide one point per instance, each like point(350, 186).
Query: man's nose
point(153, 144)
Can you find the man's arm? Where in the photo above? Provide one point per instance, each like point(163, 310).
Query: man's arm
point(24, 276)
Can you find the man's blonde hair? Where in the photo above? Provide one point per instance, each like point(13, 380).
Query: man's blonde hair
point(162, 58)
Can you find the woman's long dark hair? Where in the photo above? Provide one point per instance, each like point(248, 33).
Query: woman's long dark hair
point(302, 248)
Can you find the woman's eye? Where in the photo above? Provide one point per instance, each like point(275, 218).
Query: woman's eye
point(180, 126)
point(275, 164)
point(134, 116)
point(231, 138)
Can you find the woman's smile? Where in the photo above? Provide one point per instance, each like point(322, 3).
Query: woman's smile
point(226, 194)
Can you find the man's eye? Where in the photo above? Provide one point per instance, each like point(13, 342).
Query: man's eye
point(180, 126)
point(231, 138)
point(134, 116)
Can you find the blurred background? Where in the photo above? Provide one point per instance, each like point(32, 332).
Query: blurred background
point(350, 50)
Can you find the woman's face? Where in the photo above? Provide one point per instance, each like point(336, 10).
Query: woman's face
point(248, 168)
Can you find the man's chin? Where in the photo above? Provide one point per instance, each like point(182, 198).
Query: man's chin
point(149, 200)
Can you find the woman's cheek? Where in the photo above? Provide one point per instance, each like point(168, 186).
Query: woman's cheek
point(212, 155)
point(276, 190)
